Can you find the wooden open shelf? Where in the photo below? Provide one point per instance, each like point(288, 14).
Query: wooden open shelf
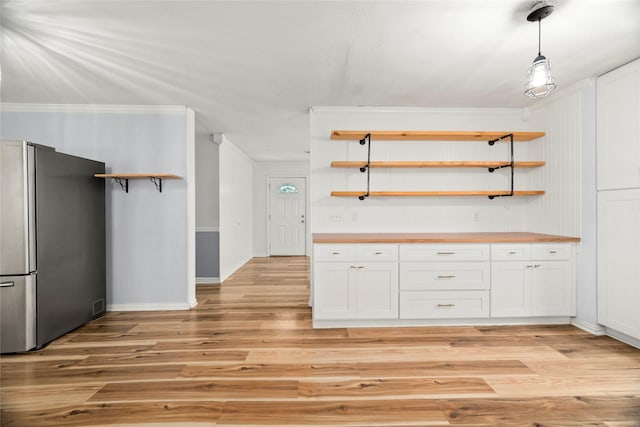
point(434, 193)
point(433, 164)
point(123, 178)
point(412, 135)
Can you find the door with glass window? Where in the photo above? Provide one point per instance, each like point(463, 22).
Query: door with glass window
point(287, 216)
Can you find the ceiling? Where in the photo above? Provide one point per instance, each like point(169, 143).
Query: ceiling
point(251, 70)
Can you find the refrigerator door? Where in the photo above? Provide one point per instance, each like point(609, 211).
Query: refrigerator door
point(70, 243)
point(17, 213)
point(17, 313)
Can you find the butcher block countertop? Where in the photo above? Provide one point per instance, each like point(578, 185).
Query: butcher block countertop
point(498, 237)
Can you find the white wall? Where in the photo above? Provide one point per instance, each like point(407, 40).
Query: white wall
point(236, 208)
point(148, 245)
point(207, 207)
point(261, 173)
point(434, 214)
point(207, 181)
point(569, 118)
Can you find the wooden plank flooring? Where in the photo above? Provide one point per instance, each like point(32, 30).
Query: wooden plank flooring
point(247, 355)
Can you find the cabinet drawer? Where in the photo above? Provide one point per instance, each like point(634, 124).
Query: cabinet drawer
point(551, 251)
point(510, 252)
point(440, 252)
point(332, 252)
point(377, 252)
point(445, 304)
point(444, 275)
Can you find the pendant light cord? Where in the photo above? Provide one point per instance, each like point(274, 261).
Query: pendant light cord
point(539, 37)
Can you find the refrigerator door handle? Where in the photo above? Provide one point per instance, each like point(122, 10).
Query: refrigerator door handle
point(7, 284)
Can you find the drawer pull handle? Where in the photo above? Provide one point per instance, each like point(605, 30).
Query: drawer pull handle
point(446, 253)
point(7, 284)
point(533, 266)
point(378, 253)
point(357, 266)
point(446, 305)
point(553, 252)
point(512, 252)
point(335, 253)
point(354, 266)
point(450, 276)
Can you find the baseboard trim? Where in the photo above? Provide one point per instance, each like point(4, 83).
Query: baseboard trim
point(560, 320)
point(634, 342)
point(149, 307)
point(207, 280)
point(235, 268)
point(589, 327)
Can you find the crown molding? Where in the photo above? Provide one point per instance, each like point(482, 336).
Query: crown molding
point(92, 108)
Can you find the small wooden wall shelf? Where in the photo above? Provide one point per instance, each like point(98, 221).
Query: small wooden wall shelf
point(412, 135)
point(432, 164)
point(123, 178)
point(491, 194)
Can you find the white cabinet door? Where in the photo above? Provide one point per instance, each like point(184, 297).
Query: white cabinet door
point(550, 288)
point(334, 291)
point(377, 290)
point(619, 260)
point(618, 128)
point(532, 288)
point(509, 292)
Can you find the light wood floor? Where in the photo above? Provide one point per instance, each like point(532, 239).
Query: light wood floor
point(247, 355)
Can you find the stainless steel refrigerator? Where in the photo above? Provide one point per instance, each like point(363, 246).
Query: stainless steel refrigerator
point(52, 244)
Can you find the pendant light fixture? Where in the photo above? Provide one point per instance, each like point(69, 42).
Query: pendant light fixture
point(539, 81)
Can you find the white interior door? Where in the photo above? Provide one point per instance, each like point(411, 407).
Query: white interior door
point(287, 216)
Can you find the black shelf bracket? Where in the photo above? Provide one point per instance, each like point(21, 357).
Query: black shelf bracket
point(366, 168)
point(157, 182)
point(511, 165)
point(124, 183)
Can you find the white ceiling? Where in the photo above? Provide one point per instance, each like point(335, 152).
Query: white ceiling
point(251, 70)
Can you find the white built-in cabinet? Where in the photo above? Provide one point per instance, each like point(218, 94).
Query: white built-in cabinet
point(410, 282)
point(618, 182)
point(357, 282)
point(619, 260)
point(618, 128)
point(532, 280)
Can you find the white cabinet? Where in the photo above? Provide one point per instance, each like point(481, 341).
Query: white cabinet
point(618, 160)
point(334, 291)
point(359, 284)
point(619, 260)
point(618, 128)
point(365, 287)
point(537, 282)
point(444, 281)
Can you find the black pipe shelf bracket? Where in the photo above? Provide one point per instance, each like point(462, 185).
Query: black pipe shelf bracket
point(511, 165)
point(366, 168)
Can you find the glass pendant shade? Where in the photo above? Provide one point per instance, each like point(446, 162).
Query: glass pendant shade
point(540, 81)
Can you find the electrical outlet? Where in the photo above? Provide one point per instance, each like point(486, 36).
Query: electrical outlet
point(336, 218)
